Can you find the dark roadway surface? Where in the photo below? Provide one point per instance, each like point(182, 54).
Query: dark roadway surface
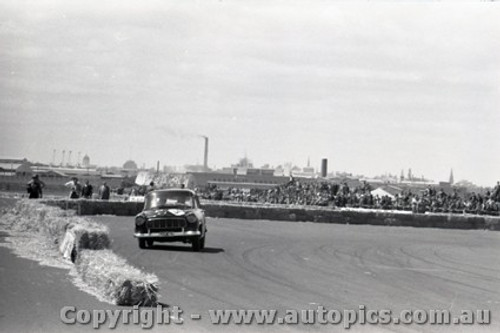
point(279, 265)
point(282, 265)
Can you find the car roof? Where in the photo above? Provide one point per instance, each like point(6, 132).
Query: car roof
point(181, 190)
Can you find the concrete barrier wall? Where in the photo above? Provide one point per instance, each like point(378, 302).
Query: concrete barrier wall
point(281, 213)
point(447, 221)
point(97, 207)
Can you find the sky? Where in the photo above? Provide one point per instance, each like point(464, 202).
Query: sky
point(374, 87)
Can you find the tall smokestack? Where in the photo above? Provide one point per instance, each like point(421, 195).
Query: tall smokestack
point(324, 167)
point(205, 157)
point(63, 154)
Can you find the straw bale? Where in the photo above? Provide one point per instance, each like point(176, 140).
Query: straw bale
point(114, 278)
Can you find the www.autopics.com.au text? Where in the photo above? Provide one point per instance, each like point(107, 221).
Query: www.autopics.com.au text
point(148, 317)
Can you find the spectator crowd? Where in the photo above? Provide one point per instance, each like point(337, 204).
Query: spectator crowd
point(307, 193)
point(341, 195)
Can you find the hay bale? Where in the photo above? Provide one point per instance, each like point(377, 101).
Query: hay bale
point(87, 244)
point(32, 216)
point(20, 218)
point(89, 236)
point(54, 223)
point(115, 279)
point(83, 235)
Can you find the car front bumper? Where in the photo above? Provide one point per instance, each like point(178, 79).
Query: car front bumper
point(167, 234)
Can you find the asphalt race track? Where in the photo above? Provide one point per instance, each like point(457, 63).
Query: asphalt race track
point(252, 264)
point(265, 265)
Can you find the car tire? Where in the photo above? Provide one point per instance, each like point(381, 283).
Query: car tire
point(202, 243)
point(142, 243)
point(196, 244)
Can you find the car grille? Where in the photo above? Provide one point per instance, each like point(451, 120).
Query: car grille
point(167, 224)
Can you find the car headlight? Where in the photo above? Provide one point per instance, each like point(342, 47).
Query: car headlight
point(140, 220)
point(191, 218)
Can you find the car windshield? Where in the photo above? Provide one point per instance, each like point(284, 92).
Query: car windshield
point(171, 199)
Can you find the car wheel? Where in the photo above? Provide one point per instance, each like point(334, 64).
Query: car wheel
point(202, 243)
point(196, 243)
point(142, 243)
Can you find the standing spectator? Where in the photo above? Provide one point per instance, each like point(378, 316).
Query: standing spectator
point(366, 187)
point(496, 192)
point(151, 187)
point(345, 189)
point(133, 192)
point(104, 191)
point(34, 187)
point(415, 203)
point(87, 190)
point(75, 188)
